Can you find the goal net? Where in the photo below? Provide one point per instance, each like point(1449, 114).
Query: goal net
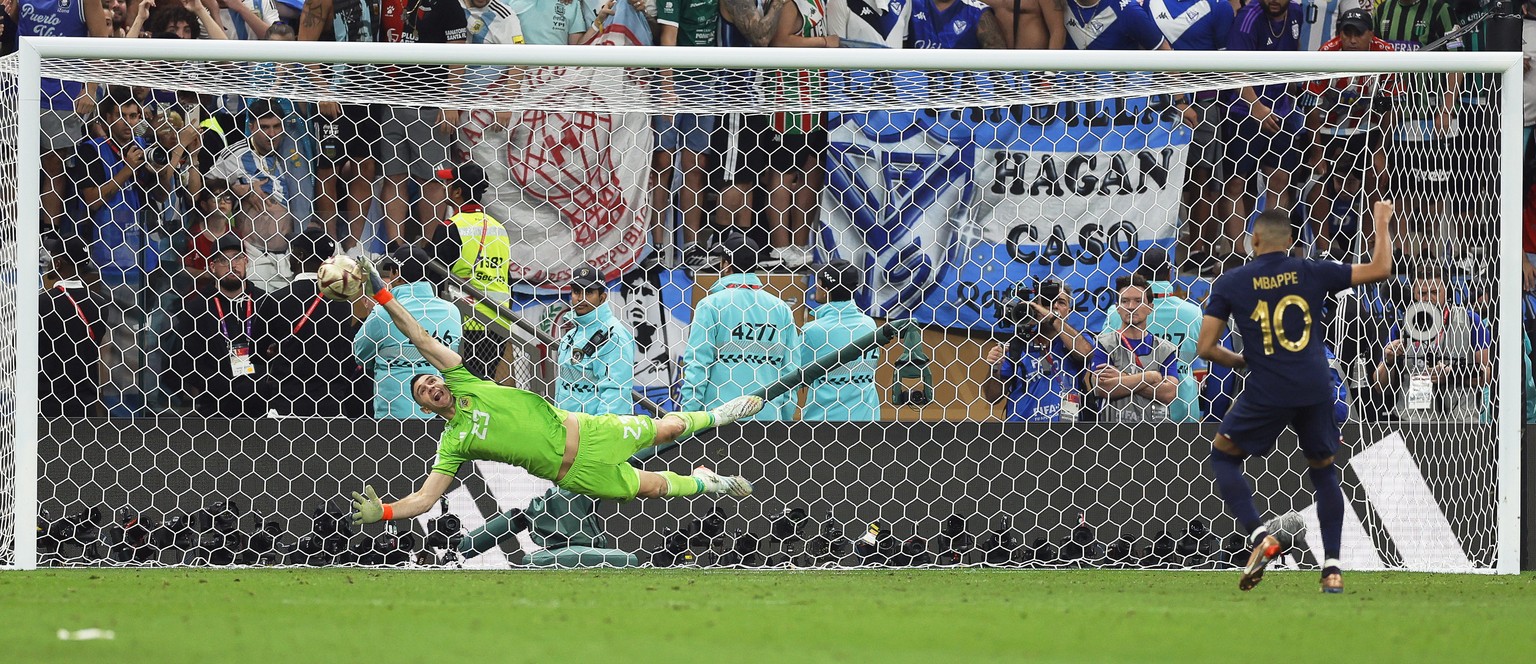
point(625, 229)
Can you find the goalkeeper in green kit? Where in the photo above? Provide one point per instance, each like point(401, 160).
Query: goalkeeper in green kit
point(586, 454)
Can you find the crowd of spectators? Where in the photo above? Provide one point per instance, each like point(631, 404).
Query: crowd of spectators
point(184, 230)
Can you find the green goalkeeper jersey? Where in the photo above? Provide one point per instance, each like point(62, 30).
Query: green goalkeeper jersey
point(496, 423)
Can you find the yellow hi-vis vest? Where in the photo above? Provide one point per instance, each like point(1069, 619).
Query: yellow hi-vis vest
point(484, 255)
point(212, 123)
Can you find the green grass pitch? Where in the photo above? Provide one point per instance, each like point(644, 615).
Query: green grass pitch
point(340, 615)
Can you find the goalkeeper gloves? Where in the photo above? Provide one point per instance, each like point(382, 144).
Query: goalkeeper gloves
point(367, 508)
point(373, 285)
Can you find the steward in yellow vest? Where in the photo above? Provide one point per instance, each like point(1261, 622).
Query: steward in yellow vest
point(475, 247)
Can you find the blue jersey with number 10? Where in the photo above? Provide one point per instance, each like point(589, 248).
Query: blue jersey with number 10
point(1277, 302)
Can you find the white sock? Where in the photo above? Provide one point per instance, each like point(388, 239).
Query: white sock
point(1331, 562)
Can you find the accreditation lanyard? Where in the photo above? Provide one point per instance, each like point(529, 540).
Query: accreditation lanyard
point(1134, 357)
point(307, 313)
point(218, 305)
point(1421, 388)
point(78, 312)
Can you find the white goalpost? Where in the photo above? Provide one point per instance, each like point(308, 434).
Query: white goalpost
point(955, 180)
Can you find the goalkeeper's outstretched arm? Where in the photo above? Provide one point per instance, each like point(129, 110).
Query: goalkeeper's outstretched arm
point(368, 508)
point(441, 356)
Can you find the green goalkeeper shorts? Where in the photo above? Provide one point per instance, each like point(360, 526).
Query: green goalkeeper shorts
point(602, 469)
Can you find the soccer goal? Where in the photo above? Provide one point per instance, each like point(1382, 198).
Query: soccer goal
point(962, 188)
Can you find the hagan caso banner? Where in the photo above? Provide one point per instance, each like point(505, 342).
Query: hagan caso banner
point(948, 212)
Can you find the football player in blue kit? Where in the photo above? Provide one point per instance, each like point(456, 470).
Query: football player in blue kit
point(1277, 303)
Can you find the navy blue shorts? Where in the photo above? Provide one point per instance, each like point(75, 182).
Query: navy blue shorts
point(1250, 148)
point(1254, 427)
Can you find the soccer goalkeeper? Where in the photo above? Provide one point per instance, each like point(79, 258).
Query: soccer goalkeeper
point(586, 454)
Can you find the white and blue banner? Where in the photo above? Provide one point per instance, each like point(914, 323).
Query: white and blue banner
point(949, 212)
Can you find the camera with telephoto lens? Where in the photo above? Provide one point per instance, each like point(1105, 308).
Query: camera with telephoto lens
point(328, 539)
point(829, 545)
point(330, 520)
point(174, 533)
point(128, 537)
point(1042, 553)
point(396, 546)
point(702, 532)
point(785, 543)
point(1234, 552)
point(46, 544)
point(269, 546)
point(1163, 547)
point(219, 538)
point(790, 524)
point(674, 546)
point(1082, 548)
point(912, 553)
point(78, 531)
point(953, 543)
point(1001, 542)
point(744, 546)
point(1197, 545)
point(721, 552)
point(1122, 553)
point(310, 551)
point(1020, 313)
point(445, 531)
point(364, 552)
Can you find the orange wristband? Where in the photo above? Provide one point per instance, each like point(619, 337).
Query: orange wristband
point(383, 297)
point(389, 509)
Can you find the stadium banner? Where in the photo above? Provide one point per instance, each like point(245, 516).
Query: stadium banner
point(948, 212)
point(1418, 497)
point(570, 186)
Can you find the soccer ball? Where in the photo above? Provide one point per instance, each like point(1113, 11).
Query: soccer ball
point(340, 278)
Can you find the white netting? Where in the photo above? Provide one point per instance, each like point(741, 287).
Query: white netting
point(955, 196)
point(653, 89)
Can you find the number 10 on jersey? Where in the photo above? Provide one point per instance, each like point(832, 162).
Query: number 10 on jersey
point(1273, 323)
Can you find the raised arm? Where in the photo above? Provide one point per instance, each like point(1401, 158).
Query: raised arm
point(258, 24)
point(312, 22)
point(1076, 342)
point(1380, 266)
point(368, 508)
point(210, 23)
point(441, 356)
